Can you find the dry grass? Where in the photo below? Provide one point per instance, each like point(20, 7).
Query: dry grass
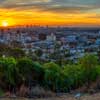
point(65, 97)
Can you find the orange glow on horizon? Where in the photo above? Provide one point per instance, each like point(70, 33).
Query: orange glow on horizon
point(29, 17)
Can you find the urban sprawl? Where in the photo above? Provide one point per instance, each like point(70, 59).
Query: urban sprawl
point(65, 43)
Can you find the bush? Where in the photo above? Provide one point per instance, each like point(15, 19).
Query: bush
point(52, 75)
point(74, 76)
point(89, 63)
point(15, 72)
point(8, 72)
point(29, 71)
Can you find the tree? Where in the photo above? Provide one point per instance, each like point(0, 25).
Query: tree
point(29, 71)
point(4, 49)
point(38, 52)
point(32, 55)
point(16, 44)
point(74, 76)
point(24, 66)
point(11, 52)
point(9, 70)
point(89, 63)
point(52, 75)
point(16, 52)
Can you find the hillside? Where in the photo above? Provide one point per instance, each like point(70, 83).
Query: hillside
point(65, 97)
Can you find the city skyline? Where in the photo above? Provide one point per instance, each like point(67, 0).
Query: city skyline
point(50, 12)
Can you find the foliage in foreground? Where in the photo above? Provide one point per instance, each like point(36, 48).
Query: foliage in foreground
point(15, 72)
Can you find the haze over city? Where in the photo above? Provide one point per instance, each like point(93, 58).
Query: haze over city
point(50, 49)
point(50, 12)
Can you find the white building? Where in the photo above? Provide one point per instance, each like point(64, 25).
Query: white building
point(51, 37)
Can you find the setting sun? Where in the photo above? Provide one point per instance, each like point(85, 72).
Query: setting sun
point(5, 23)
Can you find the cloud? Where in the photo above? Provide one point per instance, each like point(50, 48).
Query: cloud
point(60, 7)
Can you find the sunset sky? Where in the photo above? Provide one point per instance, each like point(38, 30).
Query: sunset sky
point(50, 12)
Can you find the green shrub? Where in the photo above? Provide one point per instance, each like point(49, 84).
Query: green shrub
point(89, 63)
point(74, 76)
point(9, 70)
point(52, 75)
point(29, 70)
